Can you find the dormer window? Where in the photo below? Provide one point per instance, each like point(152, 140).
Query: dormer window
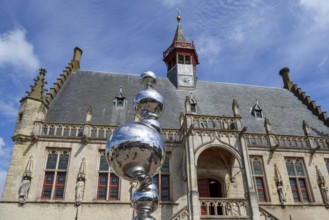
point(193, 108)
point(120, 99)
point(256, 110)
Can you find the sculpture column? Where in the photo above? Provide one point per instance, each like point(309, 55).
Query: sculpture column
point(135, 150)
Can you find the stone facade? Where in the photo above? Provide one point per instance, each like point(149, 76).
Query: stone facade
point(230, 157)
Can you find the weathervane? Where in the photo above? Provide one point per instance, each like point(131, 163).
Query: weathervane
point(178, 14)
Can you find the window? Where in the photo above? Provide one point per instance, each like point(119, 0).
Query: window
point(55, 174)
point(258, 113)
point(187, 59)
point(108, 182)
point(327, 164)
point(162, 180)
point(259, 178)
point(193, 108)
point(171, 63)
point(184, 59)
point(120, 99)
point(298, 180)
point(256, 110)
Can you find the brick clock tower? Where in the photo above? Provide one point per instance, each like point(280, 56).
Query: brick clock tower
point(181, 59)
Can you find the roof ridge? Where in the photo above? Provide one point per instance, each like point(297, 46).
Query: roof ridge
point(306, 100)
point(73, 66)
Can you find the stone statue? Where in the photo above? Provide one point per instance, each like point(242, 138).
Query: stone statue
point(279, 185)
point(323, 188)
point(79, 191)
point(282, 195)
point(325, 194)
point(24, 190)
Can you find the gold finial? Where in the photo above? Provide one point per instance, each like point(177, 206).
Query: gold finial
point(178, 14)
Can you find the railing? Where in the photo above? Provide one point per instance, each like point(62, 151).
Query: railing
point(181, 214)
point(265, 215)
point(285, 141)
point(321, 142)
point(256, 140)
point(178, 44)
point(215, 122)
point(223, 207)
point(90, 131)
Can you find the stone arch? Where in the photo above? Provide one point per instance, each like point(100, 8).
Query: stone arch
point(223, 146)
point(222, 163)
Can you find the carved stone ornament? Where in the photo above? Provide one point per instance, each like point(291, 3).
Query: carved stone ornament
point(323, 188)
point(80, 185)
point(279, 185)
point(26, 182)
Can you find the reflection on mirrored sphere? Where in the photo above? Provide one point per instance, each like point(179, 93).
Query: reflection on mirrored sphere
point(147, 79)
point(148, 100)
point(135, 149)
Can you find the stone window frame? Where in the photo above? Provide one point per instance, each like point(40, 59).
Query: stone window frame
point(297, 179)
point(164, 184)
point(55, 175)
point(104, 170)
point(260, 177)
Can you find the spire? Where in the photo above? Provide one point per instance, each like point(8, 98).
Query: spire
point(179, 35)
point(181, 59)
point(38, 88)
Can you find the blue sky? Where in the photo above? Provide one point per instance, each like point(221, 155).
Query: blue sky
point(240, 41)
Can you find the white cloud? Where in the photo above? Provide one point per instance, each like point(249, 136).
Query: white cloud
point(2, 146)
point(323, 61)
point(8, 109)
point(17, 52)
point(319, 9)
point(209, 47)
point(237, 35)
point(3, 175)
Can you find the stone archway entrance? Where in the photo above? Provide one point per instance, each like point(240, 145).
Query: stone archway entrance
point(220, 182)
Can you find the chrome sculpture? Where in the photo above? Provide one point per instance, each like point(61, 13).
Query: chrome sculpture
point(136, 151)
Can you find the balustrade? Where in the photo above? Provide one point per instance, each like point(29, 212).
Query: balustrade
point(223, 207)
point(92, 131)
point(215, 122)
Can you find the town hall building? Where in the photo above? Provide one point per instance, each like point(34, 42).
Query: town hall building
point(232, 151)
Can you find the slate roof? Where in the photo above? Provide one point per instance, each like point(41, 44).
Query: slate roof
point(179, 35)
point(86, 88)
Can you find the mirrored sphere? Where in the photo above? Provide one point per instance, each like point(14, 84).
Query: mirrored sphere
point(146, 198)
point(134, 149)
point(148, 100)
point(148, 78)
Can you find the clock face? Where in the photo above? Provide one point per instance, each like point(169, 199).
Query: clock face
point(185, 80)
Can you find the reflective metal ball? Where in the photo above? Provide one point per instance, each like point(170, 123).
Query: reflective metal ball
point(146, 198)
point(134, 149)
point(148, 78)
point(148, 100)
